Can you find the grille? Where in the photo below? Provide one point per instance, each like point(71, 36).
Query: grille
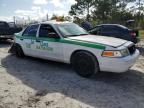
point(132, 49)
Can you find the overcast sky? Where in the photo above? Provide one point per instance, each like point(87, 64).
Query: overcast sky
point(34, 8)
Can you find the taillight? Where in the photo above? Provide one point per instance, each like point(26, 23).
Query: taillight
point(133, 34)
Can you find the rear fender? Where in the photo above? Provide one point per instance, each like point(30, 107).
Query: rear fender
point(13, 48)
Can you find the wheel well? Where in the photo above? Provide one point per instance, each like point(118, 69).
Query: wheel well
point(83, 51)
point(17, 44)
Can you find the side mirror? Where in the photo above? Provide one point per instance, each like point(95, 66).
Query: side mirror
point(53, 35)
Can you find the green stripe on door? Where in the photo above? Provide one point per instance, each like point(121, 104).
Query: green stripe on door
point(67, 41)
point(83, 43)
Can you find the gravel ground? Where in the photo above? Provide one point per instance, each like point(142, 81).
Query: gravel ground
point(35, 83)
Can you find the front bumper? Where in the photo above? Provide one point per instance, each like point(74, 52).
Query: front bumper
point(118, 65)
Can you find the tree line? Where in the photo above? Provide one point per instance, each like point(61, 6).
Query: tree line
point(109, 11)
point(105, 11)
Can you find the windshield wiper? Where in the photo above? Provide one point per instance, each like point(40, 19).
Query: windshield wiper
point(72, 35)
point(77, 35)
point(84, 34)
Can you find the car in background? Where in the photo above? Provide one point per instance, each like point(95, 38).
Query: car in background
point(7, 30)
point(115, 30)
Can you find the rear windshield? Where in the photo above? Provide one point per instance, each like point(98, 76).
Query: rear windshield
point(123, 27)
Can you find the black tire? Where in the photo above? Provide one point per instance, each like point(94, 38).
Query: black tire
point(85, 64)
point(19, 52)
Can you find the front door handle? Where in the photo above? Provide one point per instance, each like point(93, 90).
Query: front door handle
point(21, 39)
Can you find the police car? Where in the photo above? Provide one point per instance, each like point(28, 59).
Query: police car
point(67, 42)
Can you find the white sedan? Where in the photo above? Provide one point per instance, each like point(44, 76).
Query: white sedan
point(67, 42)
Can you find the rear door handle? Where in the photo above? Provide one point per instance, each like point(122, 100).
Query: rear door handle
point(37, 40)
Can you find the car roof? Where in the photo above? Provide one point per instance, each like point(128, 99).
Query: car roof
point(109, 24)
point(52, 22)
point(55, 22)
point(3, 22)
point(118, 25)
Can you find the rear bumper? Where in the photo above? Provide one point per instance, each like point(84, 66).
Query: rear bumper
point(12, 48)
point(119, 65)
point(6, 36)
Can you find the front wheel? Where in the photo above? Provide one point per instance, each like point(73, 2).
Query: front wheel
point(85, 64)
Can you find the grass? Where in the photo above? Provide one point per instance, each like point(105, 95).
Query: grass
point(141, 34)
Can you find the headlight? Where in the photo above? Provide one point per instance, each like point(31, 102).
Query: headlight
point(124, 52)
point(121, 53)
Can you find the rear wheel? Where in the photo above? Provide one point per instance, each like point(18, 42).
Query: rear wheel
point(85, 64)
point(19, 51)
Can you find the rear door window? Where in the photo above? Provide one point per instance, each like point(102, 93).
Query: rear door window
point(31, 31)
point(110, 31)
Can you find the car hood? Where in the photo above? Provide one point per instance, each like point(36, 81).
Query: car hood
point(110, 41)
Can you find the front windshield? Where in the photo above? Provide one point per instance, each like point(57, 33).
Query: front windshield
point(70, 30)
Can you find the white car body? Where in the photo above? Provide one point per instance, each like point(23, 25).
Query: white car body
point(62, 49)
